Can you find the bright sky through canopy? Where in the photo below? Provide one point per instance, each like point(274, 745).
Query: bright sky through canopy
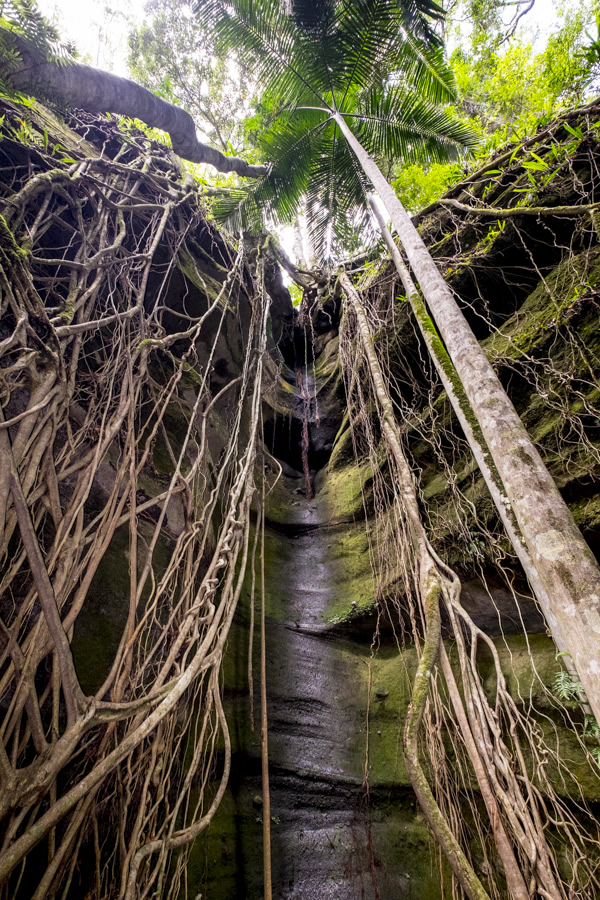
point(99, 28)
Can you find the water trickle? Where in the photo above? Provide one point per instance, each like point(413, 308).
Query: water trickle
point(300, 382)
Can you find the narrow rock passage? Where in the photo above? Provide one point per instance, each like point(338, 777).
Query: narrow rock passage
point(313, 785)
point(317, 691)
point(330, 839)
point(310, 744)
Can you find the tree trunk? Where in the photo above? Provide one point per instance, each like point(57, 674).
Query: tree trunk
point(99, 92)
point(567, 569)
point(464, 414)
point(472, 431)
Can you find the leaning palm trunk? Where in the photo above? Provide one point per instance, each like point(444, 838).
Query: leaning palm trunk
point(464, 413)
point(566, 567)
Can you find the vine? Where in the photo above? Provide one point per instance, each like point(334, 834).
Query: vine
point(96, 366)
point(492, 738)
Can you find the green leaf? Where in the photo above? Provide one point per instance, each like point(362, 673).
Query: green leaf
point(535, 166)
point(539, 159)
point(576, 132)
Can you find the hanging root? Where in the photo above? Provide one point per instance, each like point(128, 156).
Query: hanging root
point(494, 741)
point(429, 588)
point(114, 749)
point(443, 834)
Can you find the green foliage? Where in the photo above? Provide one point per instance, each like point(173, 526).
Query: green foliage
point(570, 690)
point(510, 89)
point(566, 687)
point(506, 89)
point(24, 28)
point(357, 58)
point(418, 186)
point(173, 55)
point(591, 52)
point(296, 294)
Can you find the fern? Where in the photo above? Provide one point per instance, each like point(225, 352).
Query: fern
point(566, 687)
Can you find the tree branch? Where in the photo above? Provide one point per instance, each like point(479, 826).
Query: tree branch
point(98, 92)
point(514, 211)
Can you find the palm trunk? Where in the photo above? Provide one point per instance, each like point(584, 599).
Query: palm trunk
point(464, 414)
point(472, 431)
point(566, 567)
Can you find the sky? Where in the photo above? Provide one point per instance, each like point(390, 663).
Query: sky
point(99, 28)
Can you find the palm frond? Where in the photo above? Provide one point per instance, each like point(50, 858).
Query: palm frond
point(379, 62)
point(425, 69)
point(326, 49)
point(280, 54)
point(336, 196)
point(397, 124)
point(274, 199)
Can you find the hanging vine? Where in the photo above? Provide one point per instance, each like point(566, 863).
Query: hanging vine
point(455, 731)
point(95, 369)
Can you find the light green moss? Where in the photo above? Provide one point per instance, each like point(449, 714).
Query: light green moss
point(200, 279)
point(343, 492)
point(546, 307)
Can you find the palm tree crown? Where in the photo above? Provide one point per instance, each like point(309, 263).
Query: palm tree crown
point(378, 63)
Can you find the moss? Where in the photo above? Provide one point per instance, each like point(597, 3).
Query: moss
point(342, 450)
point(351, 580)
point(327, 363)
point(100, 624)
point(343, 492)
point(586, 512)
point(204, 282)
point(549, 305)
point(224, 861)
point(12, 252)
point(529, 665)
point(391, 675)
point(439, 351)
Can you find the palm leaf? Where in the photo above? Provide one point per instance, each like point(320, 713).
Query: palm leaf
point(302, 48)
point(275, 198)
point(380, 62)
point(397, 124)
point(279, 53)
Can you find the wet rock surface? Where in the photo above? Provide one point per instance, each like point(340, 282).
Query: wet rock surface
point(345, 823)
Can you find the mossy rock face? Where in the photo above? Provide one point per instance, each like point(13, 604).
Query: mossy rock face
point(100, 625)
point(101, 622)
point(565, 295)
point(337, 710)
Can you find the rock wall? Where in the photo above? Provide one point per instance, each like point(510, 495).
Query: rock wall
point(345, 822)
point(344, 819)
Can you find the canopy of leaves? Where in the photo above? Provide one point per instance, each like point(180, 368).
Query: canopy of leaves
point(417, 186)
point(173, 55)
point(378, 63)
point(507, 87)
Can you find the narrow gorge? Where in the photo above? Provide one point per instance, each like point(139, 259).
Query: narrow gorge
point(179, 442)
